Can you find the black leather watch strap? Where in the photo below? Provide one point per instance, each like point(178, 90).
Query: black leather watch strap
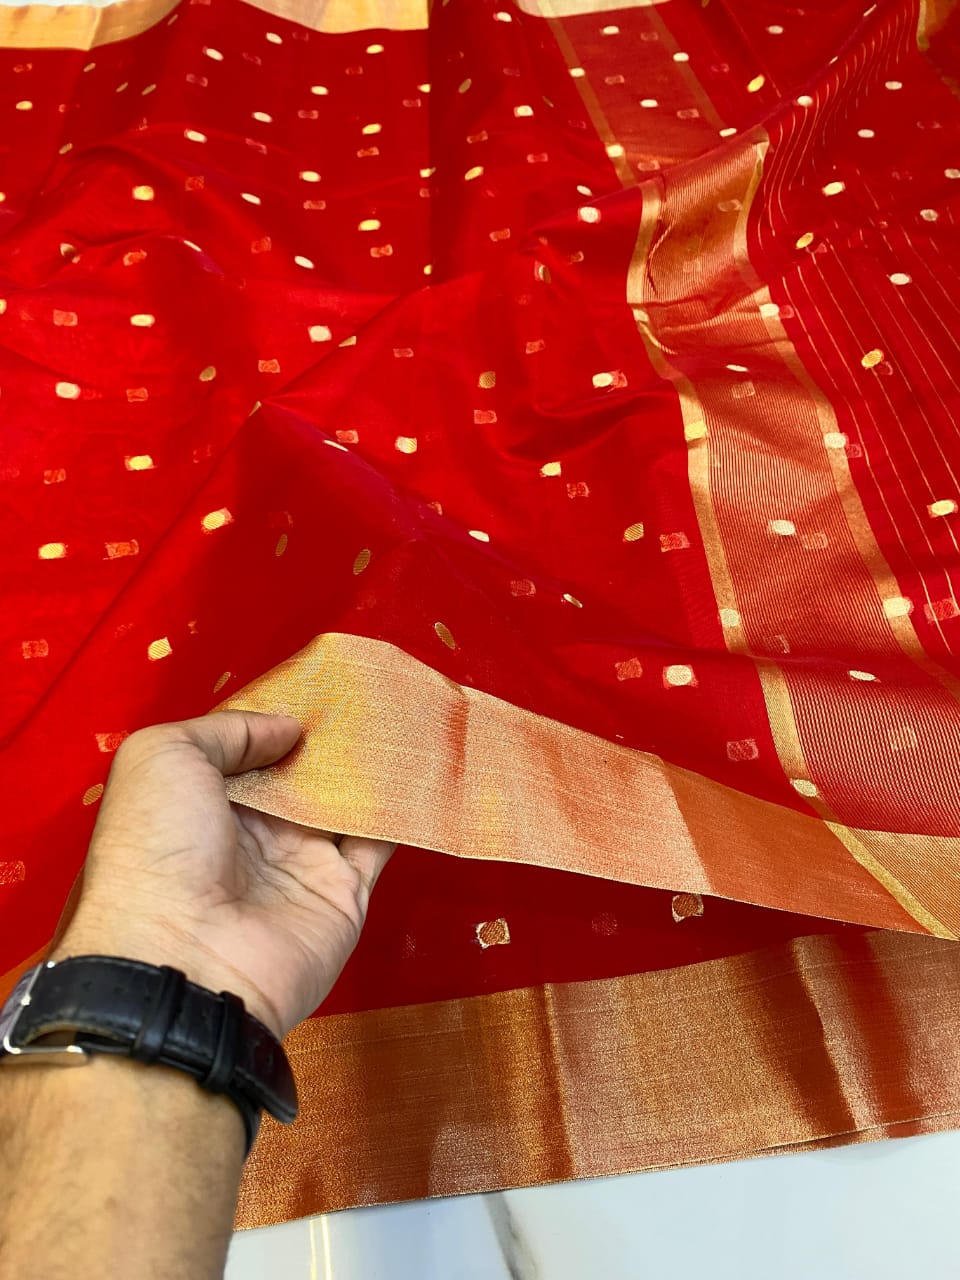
point(153, 1014)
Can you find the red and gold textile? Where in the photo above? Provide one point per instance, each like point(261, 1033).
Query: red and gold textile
point(555, 405)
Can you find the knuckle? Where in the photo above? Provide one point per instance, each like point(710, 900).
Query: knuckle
point(146, 741)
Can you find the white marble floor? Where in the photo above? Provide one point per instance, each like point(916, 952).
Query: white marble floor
point(883, 1211)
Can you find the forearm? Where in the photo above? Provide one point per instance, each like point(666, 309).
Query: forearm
point(115, 1169)
point(110, 1169)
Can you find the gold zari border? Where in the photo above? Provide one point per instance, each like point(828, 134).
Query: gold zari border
point(82, 26)
point(395, 750)
point(589, 1078)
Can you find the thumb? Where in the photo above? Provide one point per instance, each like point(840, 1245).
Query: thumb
point(235, 741)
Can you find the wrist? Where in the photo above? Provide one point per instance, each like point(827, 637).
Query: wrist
point(159, 943)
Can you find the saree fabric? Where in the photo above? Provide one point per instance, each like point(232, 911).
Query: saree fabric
point(554, 405)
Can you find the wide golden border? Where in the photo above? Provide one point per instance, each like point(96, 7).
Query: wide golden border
point(393, 749)
point(834, 1039)
point(78, 26)
point(83, 26)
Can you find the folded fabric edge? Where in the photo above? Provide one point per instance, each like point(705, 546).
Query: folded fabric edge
point(393, 749)
point(85, 26)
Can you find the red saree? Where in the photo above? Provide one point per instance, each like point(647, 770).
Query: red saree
point(556, 407)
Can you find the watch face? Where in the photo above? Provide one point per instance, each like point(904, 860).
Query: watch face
point(11, 1010)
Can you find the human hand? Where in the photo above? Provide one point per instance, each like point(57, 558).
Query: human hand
point(239, 900)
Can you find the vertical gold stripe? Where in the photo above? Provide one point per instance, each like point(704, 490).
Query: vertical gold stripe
point(654, 279)
point(640, 289)
point(596, 113)
point(901, 626)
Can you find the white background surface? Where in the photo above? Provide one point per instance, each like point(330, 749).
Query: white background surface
point(878, 1211)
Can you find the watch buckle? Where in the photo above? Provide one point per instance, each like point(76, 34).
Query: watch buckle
point(62, 1054)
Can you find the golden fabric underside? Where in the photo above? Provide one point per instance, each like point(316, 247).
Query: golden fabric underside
point(80, 26)
point(393, 749)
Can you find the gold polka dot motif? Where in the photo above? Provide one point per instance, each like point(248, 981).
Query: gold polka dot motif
point(629, 669)
point(445, 634)
point(493, 933)
point(686, 906)
point(158, 649)
point(804, 787)
point(216, 520)
point(678, 676)
point(363, 558)
point(942, 507)
point(117, 550)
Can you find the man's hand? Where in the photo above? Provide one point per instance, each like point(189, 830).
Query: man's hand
point(239, 900)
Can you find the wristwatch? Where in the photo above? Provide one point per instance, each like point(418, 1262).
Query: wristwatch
point(63, 1011)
